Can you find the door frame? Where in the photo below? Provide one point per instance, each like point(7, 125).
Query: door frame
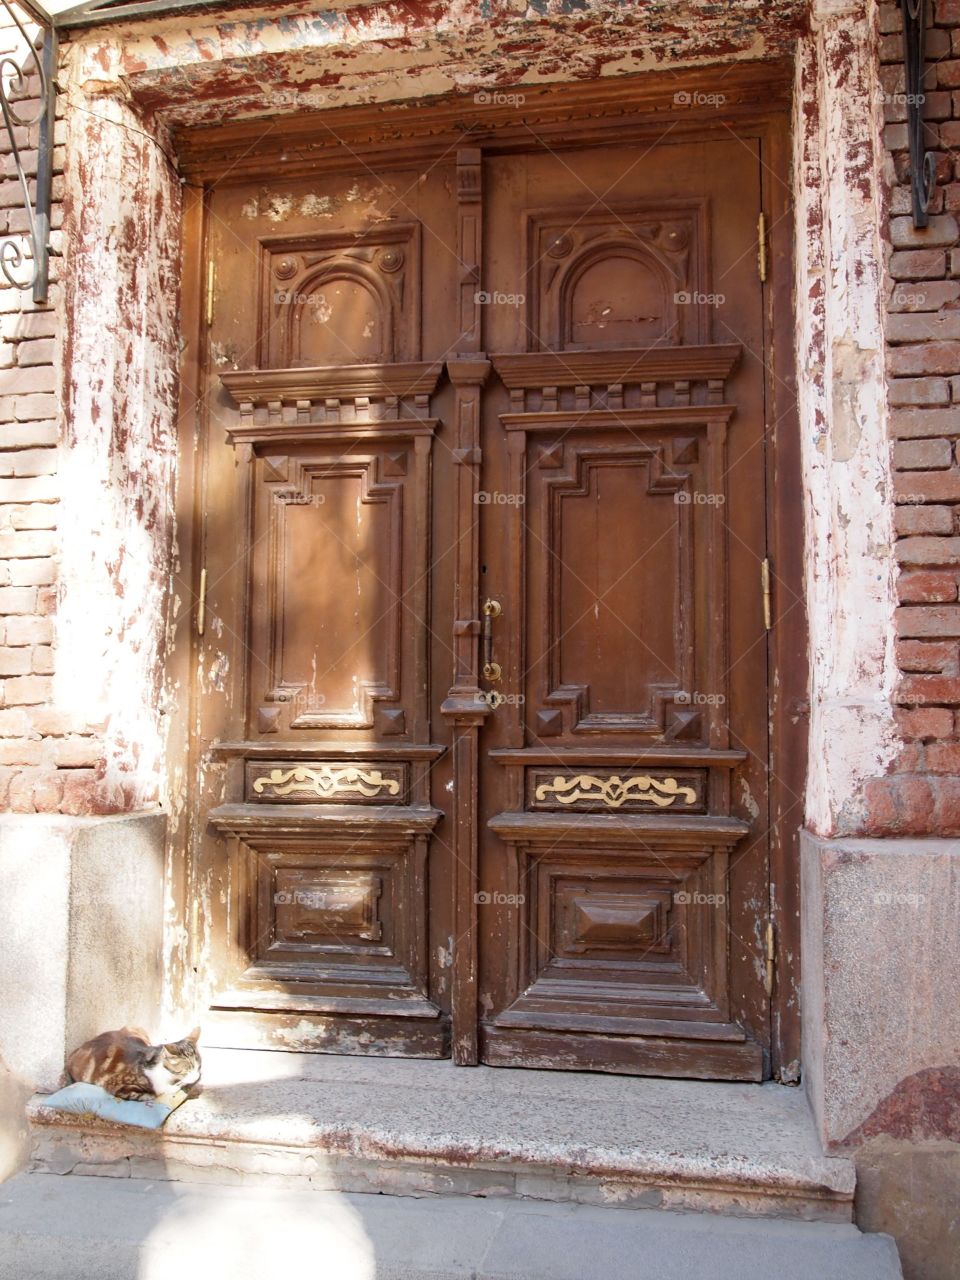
point(757, 102)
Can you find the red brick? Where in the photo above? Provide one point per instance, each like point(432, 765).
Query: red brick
point(928, 551)
point(924, 486)
point(47, 793)
point(922, 455)
point(19, 751)
point(30, 408)
point(22, 382)
point(29, 324)
point(924, 690)
point(946, 806)
point(57, 724)
point(18, 600)
point(923, 297)
point(899, 806)
point(32, 573)
point(925, 722)
point(922, 326)
point(928, 655)
point(909, 264)
point(948, 74)
point(949, 131)
point(28, 544)
point(941, 230)
point(947, 13)
point(79, 792)
point(915, 622)
point(78, 753)
point(38, 515)
point(15, 723)
point(14, 662)
point(926, 357)
point(30, 630)
point(927, 587)
point(43, 660)
point(917, 391)
point(36, 462)
point(39, 351)
point(896, 137)
point(943, 757)
point(20, 794)
point(46, 601)
point(911, 424)
point(29, 489)
point(22, 691)
point(915, 520)
point(24, 435)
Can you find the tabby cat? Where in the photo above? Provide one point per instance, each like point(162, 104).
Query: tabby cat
point(127, 1065)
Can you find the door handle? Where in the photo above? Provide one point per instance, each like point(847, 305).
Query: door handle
point(491, 670)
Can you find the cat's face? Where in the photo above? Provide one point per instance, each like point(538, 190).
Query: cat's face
point(175, 1065)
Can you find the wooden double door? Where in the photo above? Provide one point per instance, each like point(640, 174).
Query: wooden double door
point(481, 701)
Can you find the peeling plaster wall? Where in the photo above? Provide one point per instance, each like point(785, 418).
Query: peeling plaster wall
point(208, 67)
point(119, 401)
point(842, 396)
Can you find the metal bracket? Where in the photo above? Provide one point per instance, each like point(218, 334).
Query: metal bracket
point(923, 165)
point(30, 268)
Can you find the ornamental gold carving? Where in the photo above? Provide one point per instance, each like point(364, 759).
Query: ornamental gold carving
point(615, 791)
point(327, 781)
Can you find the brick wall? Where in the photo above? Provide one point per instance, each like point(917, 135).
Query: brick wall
point(46, 758)
point(923, 353)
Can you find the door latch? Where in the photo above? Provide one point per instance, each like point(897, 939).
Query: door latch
point(491, 670)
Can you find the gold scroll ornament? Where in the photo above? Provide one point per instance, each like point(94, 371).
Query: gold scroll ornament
point(616, 791)
point(327, 781)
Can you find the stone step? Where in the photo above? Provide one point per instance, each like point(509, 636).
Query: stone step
point(133, 1229)
point(408, 1127)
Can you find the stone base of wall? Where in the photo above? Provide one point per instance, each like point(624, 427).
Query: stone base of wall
point(881, 1032)
point(81, 915)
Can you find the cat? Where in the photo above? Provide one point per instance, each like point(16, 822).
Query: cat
point(127, 1065)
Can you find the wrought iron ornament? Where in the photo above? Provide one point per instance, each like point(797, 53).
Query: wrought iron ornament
point(923, 165)
point(26, 269)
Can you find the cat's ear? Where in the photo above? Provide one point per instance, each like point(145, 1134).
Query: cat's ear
point(194, 1035)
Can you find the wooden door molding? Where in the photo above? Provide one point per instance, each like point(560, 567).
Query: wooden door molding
point(464, 707)
point(288, 424)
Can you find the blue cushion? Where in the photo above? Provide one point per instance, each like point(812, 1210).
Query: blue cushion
point(90, 1099)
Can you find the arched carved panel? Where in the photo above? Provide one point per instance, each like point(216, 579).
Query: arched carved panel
point(616, 278)
point(340, 299)
point(340, 317)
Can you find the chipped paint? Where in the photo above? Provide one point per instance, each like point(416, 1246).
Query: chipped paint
point(119, 393)
point(280, 59)
point(842, 400)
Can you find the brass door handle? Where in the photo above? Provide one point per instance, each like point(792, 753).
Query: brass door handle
point(491, 670)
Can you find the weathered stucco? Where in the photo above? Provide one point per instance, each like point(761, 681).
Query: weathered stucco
point(119, 401)
point(208, 67)
point(842, 398)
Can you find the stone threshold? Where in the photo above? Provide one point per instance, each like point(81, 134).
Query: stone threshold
point(419, 1127)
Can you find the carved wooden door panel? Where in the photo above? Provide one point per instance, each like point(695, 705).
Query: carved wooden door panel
point(531, 835)
point(324, 893)
point(622, 878)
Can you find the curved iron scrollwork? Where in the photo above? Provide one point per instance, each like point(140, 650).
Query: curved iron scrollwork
point(923, 165)
point(27, 266)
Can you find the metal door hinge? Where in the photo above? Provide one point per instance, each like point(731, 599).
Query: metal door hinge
point(202, 604)
point(771, 959)
point(211, 279)
point(762, 247)
point(765, 587)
